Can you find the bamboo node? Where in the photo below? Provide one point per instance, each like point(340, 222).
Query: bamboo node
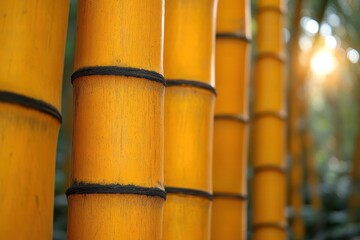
point(189, 191)
point(242, 197)
point(279, 57)
point(28, 102)
point(237, 36)
point(93, 188)
point(240, 118)
point(191, 83)
point(118, 71)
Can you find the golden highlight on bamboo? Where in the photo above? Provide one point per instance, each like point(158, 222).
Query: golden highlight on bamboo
point(269, 124)
point(231, 120)
point(117, 187)
point(189, 110)
point(32, 45)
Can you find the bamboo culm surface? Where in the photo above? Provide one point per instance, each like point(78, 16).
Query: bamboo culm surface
point(117, 189)
point(32, 45)
point(269, 125)
point(189, 109)
point(233, 37)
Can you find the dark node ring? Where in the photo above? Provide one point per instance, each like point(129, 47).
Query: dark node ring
point(189, 191)
point(237, 36)
point(118, 71)
point(197, 84)
point(92, 188)
point(28, 102)
point(243, 119)
point(242, 197)
point(269, 167)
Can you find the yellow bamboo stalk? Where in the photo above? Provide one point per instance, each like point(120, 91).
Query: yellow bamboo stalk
point(32, 44)
point(189, 109)
point(269, 186)
point(117, 169)
point(297, 140)
point(231, 118)
point(296, 148)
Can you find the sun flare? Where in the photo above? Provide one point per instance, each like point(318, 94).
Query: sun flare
point(323, 62)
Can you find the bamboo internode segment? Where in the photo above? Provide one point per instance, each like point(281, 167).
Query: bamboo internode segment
point(117, 187)
point(188, 152)
point(108, 216)
point(32, 44)
point(228, 218)
point(189, 110)
point(186, 217)
point(188, 137)
point(189, 40)
point(233, 48)
point(269, 123)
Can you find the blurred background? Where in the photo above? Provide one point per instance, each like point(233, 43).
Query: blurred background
point(323, 39)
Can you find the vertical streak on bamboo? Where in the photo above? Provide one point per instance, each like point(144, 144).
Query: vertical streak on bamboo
point(117, 161)
point(269, 186)
point(231, 120)
point(32, 46)
point(189, 110)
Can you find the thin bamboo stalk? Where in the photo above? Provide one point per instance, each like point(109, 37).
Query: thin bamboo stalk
point(354, 199)
point(269, 186)
point(117, 161)
point(32, 45)
point(313, 178)
point(231, 120)
point(189, 109)
point(296, 148)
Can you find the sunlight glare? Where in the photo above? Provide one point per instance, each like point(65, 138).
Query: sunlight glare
point(323, 62)
point(330, 41)
point(352, 55)
point(325, 29)
point(312, 26)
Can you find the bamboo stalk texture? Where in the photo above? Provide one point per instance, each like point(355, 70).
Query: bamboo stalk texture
point(32, 45)
point(117, 189)
point(189, 109)
point(231, 119)
point(269, 124)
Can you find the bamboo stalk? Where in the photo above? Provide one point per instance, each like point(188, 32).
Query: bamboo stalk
point(231, 120)
point(32, 43)
point(189, 109)
point(354, 198)
point(117, 169)
point(269, 186)
point(313, 178)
